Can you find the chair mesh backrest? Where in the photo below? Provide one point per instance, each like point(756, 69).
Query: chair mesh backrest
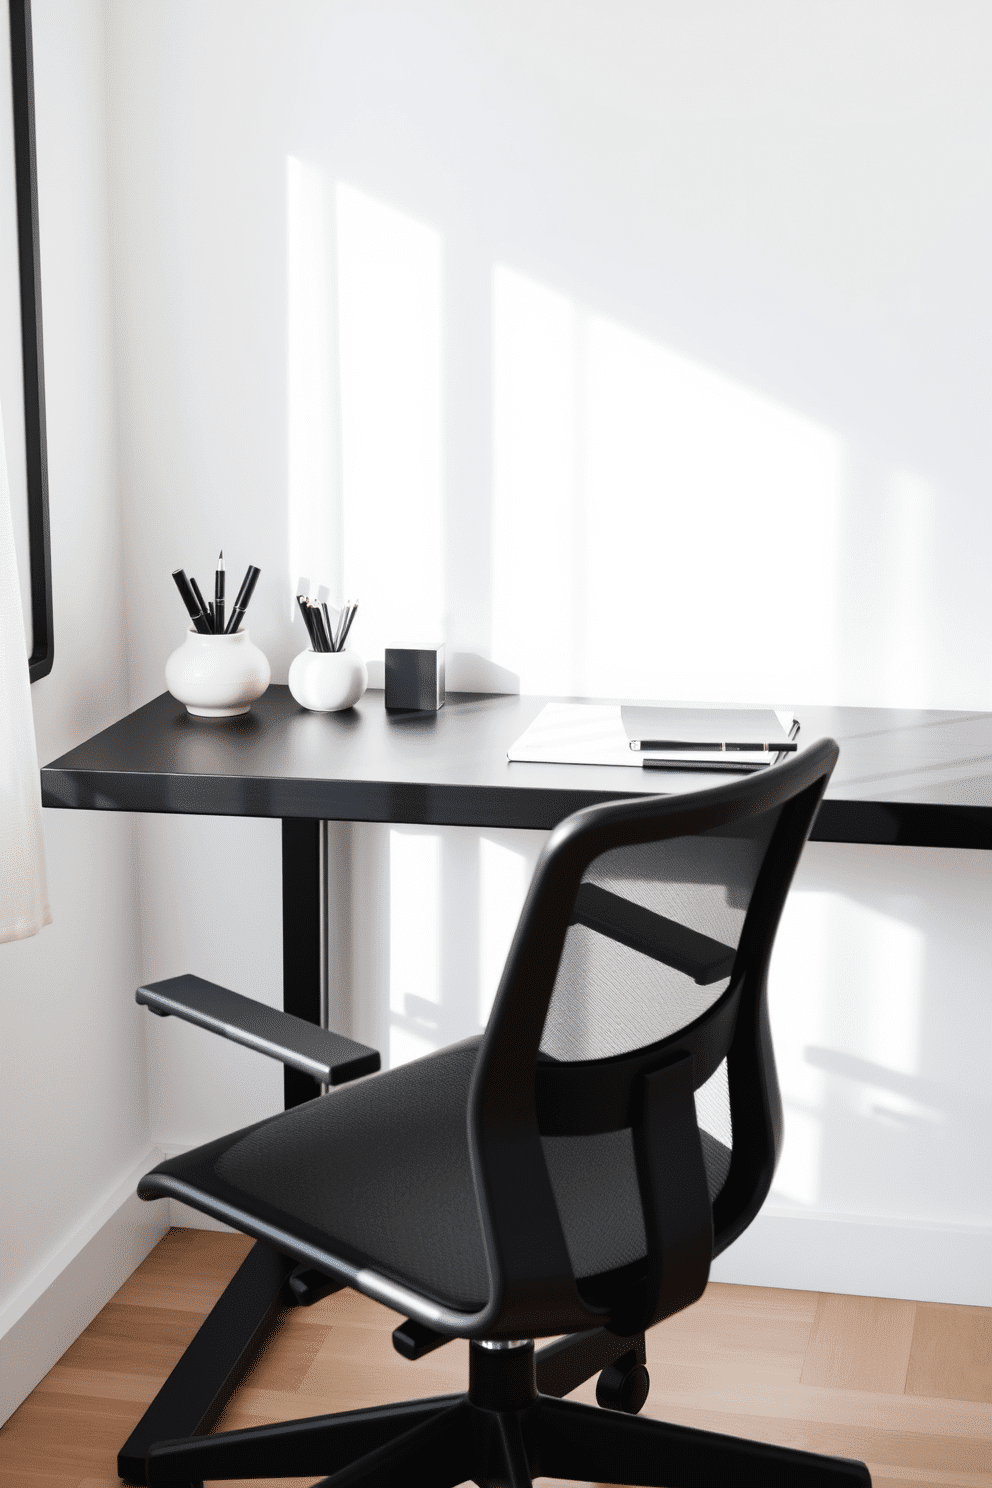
point(610, 998)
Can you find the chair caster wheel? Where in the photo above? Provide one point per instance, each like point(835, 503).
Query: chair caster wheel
point(623, 1386)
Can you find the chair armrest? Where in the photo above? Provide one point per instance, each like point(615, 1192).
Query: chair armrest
point(329, 1058)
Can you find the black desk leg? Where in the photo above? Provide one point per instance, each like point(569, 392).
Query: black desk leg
point(234, 1332)
point(229, 1339)
point(303, 935)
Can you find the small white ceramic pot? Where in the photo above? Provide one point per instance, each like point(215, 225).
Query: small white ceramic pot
point(217, 676)
point(327, 681)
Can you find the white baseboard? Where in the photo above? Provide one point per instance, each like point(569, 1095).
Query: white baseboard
point(862, 1257)
point(51, 1310)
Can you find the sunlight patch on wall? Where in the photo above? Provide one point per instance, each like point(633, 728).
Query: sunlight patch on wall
point(389, 313)
point(846, 998)
point(414, 944)
point(313, 475)
point(799, 995)
point(880, 1021)
point(658, 529)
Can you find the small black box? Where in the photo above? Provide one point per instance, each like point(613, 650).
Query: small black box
point(415, 678)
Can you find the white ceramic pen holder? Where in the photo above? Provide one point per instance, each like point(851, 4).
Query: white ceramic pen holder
point(327, 681)
point(217, 676)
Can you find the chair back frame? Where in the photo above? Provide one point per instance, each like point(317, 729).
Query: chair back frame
point(516, 1096)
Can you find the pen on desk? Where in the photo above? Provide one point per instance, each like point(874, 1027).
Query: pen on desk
point(196, 612)
point(204, 607)
point(244, 598)
point(742, 767)
point(219, 594)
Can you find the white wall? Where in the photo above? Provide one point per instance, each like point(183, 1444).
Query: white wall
point(588, 336)
point(73, 1084)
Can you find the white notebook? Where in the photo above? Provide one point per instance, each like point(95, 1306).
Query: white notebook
point(594, 734)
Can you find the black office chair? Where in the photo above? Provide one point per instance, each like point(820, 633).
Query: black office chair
point(573, 1170)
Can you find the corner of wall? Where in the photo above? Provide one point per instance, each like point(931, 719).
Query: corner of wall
point(74, 1283)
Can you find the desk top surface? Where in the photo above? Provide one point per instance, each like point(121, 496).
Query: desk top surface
point(904, 777)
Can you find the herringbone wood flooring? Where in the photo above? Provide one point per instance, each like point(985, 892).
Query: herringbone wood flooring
point(906, 1386)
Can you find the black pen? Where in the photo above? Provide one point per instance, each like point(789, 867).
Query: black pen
point(204, 607)
point(196, 613)
point(741, 767)
point(786, 747)
point(219, 594)
point(244, 598)
point(327, 623)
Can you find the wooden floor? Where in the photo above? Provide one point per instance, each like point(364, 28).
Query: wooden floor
point(905, 1386)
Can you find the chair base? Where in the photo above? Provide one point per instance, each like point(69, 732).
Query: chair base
point(501, 1434)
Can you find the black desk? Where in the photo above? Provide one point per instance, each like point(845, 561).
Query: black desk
point(907, 778)
point(913, 778)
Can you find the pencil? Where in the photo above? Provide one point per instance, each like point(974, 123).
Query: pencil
point(307, 621)
point(347, 625)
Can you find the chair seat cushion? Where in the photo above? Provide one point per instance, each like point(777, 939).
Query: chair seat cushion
point(381, 1170)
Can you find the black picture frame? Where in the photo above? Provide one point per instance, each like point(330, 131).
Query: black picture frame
point(29, 263)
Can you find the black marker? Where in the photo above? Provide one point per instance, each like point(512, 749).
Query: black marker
point(196, 612)
point(204, 607)
point(244, 598)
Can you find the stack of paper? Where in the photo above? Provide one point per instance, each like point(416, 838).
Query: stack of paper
point(630, 734)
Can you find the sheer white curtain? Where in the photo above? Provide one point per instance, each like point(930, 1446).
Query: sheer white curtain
point(23, 891)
